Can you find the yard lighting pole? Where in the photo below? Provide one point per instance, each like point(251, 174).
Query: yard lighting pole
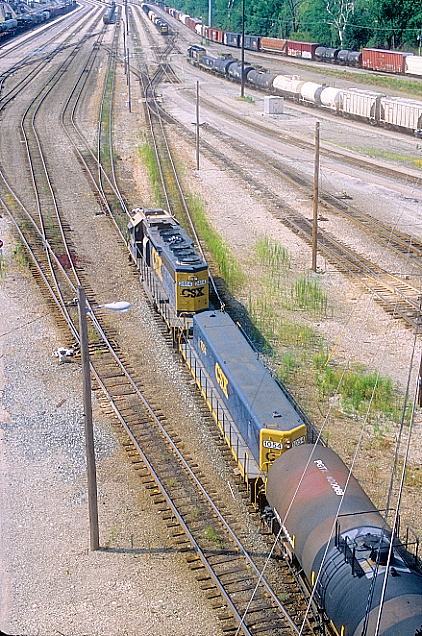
point(94, 542)
point(242, 79)
point(209, 12)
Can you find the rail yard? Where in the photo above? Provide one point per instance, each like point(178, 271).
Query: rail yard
point(230, 361)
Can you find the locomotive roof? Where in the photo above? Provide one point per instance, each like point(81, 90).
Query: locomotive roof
point(264, 397)
point(170, 239)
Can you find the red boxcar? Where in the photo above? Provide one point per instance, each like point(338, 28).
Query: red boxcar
point(215, 35)
point(381, 60)
point(301, 49)
point(192, 22)
point(272, 44)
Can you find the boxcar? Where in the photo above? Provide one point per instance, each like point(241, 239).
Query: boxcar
point(231, 39)
point(381, 60)
point(251, 42)
point(273, 44)
point(305, 50)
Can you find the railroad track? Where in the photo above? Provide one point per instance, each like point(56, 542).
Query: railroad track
point(5, 51)
point(231, 572)
point(38, 64)
point(401, 242)
point(397, 297)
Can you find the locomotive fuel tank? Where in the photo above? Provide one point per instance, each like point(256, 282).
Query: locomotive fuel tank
point(341, 541)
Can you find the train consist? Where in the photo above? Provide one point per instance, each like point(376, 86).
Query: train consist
point(162, 26)
point(109, 16)
point(369, 106)
point(371, 59)
point(26, 21)
point(331, 532)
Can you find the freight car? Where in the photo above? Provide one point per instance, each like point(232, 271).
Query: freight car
point(109, 16)
point(13, 26)
point(371, 59)
point(174, 275)
point(368, 106)
point(332, 530)
point(162, 26)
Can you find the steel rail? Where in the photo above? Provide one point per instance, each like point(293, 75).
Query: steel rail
point(42, 63)
point(153, 109)
point(402, 242)
point(74, 330)
point(374, 278)
point(32, 36)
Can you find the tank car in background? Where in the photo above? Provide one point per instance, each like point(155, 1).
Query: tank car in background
point(332, 530)
point(174, 275)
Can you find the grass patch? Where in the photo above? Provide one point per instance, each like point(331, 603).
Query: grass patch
point(308, 295)
point(355, 388)
point(19, 255)
point(211, 534)
point(226, 262)
point(272, 254)
point(147, 155)
point(246, 98)
point(287, 365)
point(384, 154)
point(2, 266)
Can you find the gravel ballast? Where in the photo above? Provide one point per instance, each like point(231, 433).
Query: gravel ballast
point(51, 584)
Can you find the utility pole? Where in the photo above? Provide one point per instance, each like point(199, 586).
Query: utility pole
point(94, 542)
point(128, 82)
point(197, 125)
point(209, 12)
point(242, 79)
point(124, 48)
point(315, 201)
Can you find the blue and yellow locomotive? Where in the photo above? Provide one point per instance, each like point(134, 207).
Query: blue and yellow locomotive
point(257, 418)
point(174, 275)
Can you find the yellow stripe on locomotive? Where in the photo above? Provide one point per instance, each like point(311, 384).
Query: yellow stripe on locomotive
point(273, 443)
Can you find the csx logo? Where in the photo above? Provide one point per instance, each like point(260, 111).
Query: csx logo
point(193, 293)
point(221, 379)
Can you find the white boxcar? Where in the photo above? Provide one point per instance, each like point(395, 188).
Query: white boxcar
point(332, 98)
point(401, 113)
point(288, 84)
point(360, 103)
point(310, 92)
point(183, 17)
point(413, 64)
